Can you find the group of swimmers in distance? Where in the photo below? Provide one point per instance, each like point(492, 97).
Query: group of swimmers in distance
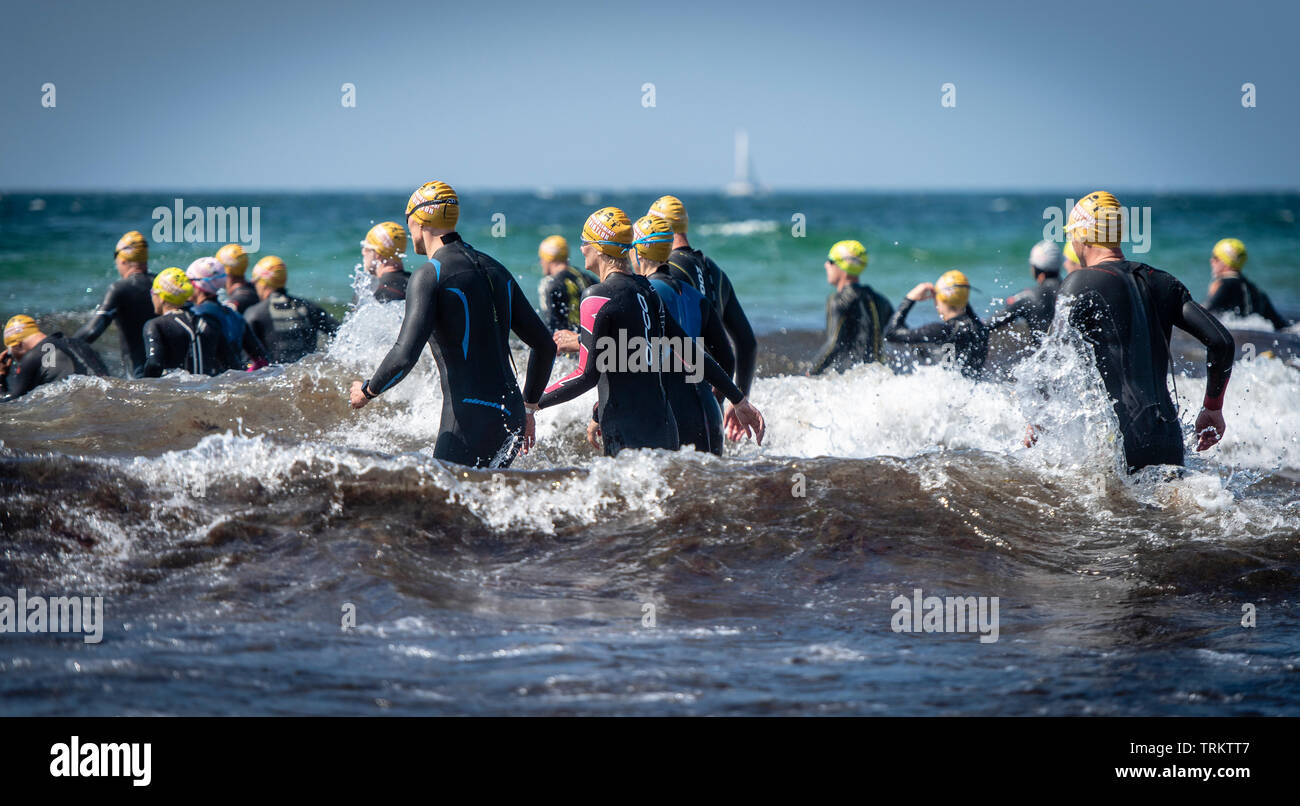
point(655, 323)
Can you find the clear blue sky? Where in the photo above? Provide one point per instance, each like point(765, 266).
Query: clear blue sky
point(162, 95)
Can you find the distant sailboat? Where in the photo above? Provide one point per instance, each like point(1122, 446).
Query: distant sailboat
point(743, 184)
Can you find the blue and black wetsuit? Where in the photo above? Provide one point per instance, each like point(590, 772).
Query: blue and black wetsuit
point(53, 359)
point(129, 303)
point(699, 419)
point(623, 320)
point(239, 337)
point(703, 274)
point(463, 304)
point(1126, 311)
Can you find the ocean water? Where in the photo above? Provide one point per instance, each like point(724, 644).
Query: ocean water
point(229, 523)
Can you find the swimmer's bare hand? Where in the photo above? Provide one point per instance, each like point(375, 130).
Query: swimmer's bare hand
point(1031, 437)
point(923, 291)
point(530, 431)
point(356, 397)
point(743, 419)
point(593, 435)
point(1209, 428)
point(566, 341)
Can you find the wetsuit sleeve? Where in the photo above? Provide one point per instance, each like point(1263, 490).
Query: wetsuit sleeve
point(417, 327)
point(1015, 310)
point(742, 335)
point(713, 373)
point(153, 351)
point(553, 305)
point(25, 376)
point(715, 339)
point(256, 323)
point(586, 376)
point(1219, 345)
point(835, 320)
point(1270, 313)
point(102, 318)
point(897, 329)
point(529, 327)
point(252, 345)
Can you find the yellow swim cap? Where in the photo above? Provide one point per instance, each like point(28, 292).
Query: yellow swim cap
point(387, 238)
point(132, 247)
point(671, 209)
point(19, 328)
point(1068, 251)
point(271, 272)
point(234, 258)
point(553, 248)
point(653, 238)
point(953, 289)
point(851, 256)
point(434, 204)
point(1097, 219)
point(609, 230)
point(173, 286)
point(1232, 252)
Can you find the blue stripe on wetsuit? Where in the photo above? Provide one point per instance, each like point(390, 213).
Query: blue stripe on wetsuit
point(464, 342)
point(497, 406)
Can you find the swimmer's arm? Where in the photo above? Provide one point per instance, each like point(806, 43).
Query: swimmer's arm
point(716, 341)
point(529, 327)
point(1270, 313)
point(1219, 348)
point(555, 306)
point(253, 345)
point(713, 373)
point(1015, 310)
point(742, 334)
point(101, 319)
point(324, 321)
point(417, 326)
point(256, 324)
point(897, 329)
point(152, 351)
point(586, 376)
point(834, 334)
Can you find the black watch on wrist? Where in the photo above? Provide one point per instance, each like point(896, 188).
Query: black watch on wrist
point(365, 390)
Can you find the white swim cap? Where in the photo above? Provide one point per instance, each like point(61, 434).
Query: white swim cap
point(1046, 256)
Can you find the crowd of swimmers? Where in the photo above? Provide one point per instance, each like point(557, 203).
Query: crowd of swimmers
point(655, 326)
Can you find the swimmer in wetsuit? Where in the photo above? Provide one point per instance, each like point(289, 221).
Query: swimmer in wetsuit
point(1126, 312)
point(1035, 305)
point(1230, 292)
point(178, 338)
point(855, 314)
point(207, 275)
point(964, 337)
point(560, 292)
point(699, 419)
point(694, 267)
point(239, 294)
point(463, 304)
point(381, 256)
point(41, 359)
point(286, 325)
point(624, 352)
point(127, 303)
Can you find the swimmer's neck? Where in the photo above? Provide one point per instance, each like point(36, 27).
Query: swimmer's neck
point(846, 281)
point(1101, 254)
point(947, 312)
point(680, 242)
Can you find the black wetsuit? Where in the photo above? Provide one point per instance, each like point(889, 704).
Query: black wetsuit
point(633, 411)
point(183, 340)
point(855, 323)
point(243, 297)
point(560, 295)
point(1035, 305)
point(288, 326)
point(238, 336)
point(700, 271)
point(699, 419)
point(392, 286)
point(1127, 311)
point(129, 303)
point(968, 336)
point(1240, 296)
point(52, 359)
point(463, 304)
